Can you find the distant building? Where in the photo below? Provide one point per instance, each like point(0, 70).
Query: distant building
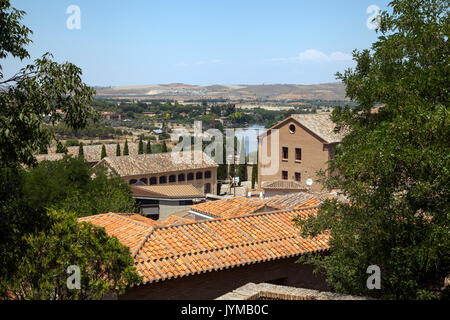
point(306, 143)
point(161, 169)
point(111, 115)
point(159, 201)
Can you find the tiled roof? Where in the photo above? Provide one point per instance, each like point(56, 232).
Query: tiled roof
point(321, 125)
point(167, 191)
point(238, 206)
point(129, 229)
point(284, 185)
point(176, 220)
point(293, 200)
point(167, 252)
point(157, 163)
point(213, 245)
point(49, 157)
point(228, 207)
point(92, 153)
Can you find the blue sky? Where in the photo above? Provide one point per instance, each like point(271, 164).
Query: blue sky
point(201, 42)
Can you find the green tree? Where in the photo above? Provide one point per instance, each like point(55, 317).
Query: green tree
point(29, 101)
point(81, 150)
point(141, 146)
point(60, 148)
point(393, 165)
point(70, 184)
point(242, 167)
point(164, 147)
point(118, 150)
point(125, 149)
point(106, 266)
point(148, 149)
point(103, 154)
point(254, 175)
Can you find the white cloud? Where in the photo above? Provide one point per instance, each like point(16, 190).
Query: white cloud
point(313, 55)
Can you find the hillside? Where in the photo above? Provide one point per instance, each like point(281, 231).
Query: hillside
point(276, 92)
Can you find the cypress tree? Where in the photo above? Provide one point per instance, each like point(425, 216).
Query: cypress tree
point(81, 150)
point(118, 150)
point(103, 155)
point(164, 147)
point(242, 162)
point(148, 149)
point(254, 175)
point(125, 149)
point(141, 146)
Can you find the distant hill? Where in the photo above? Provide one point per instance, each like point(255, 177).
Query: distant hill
point(180, 91)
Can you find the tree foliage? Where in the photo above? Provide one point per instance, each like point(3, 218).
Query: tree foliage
point(126, 152)
point(105, 265)
point(393, 164)
point(35, 247)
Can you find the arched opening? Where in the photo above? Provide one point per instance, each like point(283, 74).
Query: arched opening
point(144, 180)
point(181, 177)
point(172, 178)
point(190, 176)
point(153, 181)
point(208, 175)
point(208, 188)
point(133, 181)
point(162, 180)
point(199, 175)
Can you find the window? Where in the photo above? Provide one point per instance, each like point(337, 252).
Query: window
point(133, 181)
point(285, 153)
point(199, 176)
point(153, 181)
point(190, 176)
point(292, 128)
point(298, 154)
point(162, 180)
point(208, 188)
point(181, 177)
point(208, 175)
point(144, 180)
point(285, 175)
point(298, 176)
point(173, 178)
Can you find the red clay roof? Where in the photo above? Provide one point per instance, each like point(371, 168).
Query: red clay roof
point(170, 252)
point(228, 207)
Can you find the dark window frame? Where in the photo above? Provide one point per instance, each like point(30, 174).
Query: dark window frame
point(285, 153)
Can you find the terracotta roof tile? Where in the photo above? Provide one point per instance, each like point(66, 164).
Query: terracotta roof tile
point(284, 185)
point(167, 191)
point(321, 125)
point(157, 163)
point(167, 252)
point(228, 207)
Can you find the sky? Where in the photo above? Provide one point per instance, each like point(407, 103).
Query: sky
point(201, 42)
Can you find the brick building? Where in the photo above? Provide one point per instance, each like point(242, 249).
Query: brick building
point(305, 144)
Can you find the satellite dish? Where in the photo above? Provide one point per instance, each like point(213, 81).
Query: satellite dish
point(309, 182)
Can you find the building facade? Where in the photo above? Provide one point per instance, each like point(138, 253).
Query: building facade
point(162, 169)
point(295, 149)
